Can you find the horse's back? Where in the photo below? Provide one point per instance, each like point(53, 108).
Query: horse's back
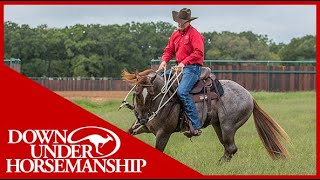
point(235, 91)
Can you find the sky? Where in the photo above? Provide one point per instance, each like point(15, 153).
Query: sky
point(280, 23)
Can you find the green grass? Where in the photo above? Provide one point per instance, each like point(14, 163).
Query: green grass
point(294, 111)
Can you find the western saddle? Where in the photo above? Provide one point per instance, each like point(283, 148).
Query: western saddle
point(206, 89)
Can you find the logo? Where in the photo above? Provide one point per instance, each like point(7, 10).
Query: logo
point(97, 140)
point(83, 150)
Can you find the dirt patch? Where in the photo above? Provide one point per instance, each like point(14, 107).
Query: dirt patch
point(95, 96)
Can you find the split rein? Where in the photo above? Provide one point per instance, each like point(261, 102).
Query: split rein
point(164, 91)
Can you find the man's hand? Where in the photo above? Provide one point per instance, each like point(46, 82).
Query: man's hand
point(162, 65)
point(180, 66)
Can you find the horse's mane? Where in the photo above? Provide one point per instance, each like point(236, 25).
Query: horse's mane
point(133, 77)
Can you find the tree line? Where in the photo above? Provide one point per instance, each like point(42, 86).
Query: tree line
point(95, 50)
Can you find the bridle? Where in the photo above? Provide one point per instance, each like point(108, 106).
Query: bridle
point(168, 83)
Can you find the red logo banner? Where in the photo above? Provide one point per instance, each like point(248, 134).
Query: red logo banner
point(44, 135)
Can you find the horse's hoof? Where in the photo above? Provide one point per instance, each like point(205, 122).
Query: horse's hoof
point(188, 135)
point(223, 159)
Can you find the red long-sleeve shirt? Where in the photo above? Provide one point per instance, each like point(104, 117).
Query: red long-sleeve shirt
point(186, 45)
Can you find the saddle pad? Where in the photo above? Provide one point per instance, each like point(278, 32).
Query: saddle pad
point(219, 87)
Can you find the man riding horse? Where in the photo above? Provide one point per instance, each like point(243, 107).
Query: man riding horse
point(187, 44)
point(159, 100)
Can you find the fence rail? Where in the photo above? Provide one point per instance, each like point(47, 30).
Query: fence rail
point(259, 75)
point(252, 75)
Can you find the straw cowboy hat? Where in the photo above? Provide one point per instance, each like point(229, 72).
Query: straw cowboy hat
point(183, 16)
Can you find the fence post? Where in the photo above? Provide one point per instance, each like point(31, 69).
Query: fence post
point(269, 80)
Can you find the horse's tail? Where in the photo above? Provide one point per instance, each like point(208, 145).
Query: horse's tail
point(270, 133)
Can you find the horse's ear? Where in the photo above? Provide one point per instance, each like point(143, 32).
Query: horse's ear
point(152, 76)
point(137, 74)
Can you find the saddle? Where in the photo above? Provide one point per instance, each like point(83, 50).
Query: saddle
point(207, 89)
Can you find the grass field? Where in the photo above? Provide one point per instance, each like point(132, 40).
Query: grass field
point(295, 112)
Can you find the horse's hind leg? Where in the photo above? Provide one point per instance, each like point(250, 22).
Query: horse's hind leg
point(230, 147)
point(226, 138)
point(217, 129)
point(228, 128)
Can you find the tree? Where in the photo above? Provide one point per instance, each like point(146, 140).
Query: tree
point(242, 46)
point(87, 66)
point(105, 50)
point(299, 49)
point(35, 68)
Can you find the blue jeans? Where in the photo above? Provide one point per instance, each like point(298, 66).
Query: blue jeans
point(190, 76)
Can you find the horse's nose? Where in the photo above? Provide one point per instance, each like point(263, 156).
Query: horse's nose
point(143, 121)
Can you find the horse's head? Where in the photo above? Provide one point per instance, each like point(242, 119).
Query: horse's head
point(144, 92)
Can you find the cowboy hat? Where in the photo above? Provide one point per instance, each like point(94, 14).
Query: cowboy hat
point(183, 16)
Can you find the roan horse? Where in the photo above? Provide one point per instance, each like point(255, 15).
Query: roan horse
point(226, 115)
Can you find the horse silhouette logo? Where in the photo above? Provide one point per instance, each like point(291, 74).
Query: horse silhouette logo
point(97, 139)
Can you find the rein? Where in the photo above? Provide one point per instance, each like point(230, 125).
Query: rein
point(125, 103)
point(164, 90)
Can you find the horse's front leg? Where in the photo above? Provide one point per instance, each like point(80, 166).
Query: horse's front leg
point(162, 139)
point(130, 130)
point(140, 129)
point(137, 128)
point(135, 125)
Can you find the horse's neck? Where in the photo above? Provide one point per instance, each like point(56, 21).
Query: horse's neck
point(160, 82)
point(158, 86)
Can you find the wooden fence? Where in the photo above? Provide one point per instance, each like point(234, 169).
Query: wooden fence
point(252, 76)
point(276, 78)
point(69, 84)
